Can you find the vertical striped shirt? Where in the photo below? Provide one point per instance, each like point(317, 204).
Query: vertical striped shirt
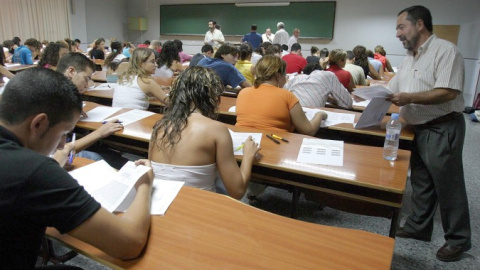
point(438, 64)
point(313, 90)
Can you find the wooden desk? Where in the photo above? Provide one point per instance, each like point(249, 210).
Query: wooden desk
point(205, 230)
point(365, 184)
point(17, 68)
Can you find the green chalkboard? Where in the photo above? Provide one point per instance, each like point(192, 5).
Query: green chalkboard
point(314, 19)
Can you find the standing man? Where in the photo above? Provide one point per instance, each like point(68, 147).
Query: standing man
point(293, 38)
point(254, 38)
point(267, 37)
point(214, 37)
point(429, 87)
point(281, 36)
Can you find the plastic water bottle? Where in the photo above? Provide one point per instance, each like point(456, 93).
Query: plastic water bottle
point(390, 149)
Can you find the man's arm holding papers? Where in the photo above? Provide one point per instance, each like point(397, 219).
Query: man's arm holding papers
point(122, 236)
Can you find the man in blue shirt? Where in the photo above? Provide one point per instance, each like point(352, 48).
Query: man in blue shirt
point(254, 38)
point(23, 54)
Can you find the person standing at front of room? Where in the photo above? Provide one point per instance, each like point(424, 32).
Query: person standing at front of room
point(214, 37)
point(428, 87)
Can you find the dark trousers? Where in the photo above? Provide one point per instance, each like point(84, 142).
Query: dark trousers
point(437, 180)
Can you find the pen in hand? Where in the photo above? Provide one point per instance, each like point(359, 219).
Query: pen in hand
point(240, 147)
point(72, 153)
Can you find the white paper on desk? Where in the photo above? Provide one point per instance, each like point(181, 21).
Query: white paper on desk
point(131, 116)
point(318, 151)
point(333, 117)
point(103, 86)
point(373, 113)
point(238, 138)
point(232, 109)
point(361, 103)
point(12, 64)
point(112, 190)
point(164, 192)
point(98, 114)
point(372, 91)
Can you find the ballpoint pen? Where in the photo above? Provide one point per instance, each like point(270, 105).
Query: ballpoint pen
point(279, 138)
point(273, 139)
point(70, 156)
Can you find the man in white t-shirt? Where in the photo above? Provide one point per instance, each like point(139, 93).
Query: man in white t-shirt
point(268, 36)
point(281, 36)
point(214, 37)
point(294, 38)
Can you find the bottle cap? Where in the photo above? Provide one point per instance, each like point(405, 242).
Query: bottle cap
point(395, 116)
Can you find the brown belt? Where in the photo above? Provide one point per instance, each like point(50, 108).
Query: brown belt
point(442, 119)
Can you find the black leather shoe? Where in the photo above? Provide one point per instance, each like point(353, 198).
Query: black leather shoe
point(404, 234)
point(448, 253)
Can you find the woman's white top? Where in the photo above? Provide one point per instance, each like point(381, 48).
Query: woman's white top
point(163, 72)
point(202, 177)
point(129, 95)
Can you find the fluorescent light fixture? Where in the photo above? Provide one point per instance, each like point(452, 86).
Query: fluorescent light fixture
point(270, 4)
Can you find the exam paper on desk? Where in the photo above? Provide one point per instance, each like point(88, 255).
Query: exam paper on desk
point(319, 151)
point(333, 118)
point(103, 86)
point(99, 113)
point(131, 116)
point(238, 138)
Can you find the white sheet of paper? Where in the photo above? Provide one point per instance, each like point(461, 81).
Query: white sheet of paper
point(12, 64)
point(333, 117)
point(98, 114)
point(361, 103)
point(238, 138)
point(103, 86)
point(131, 116)
point(373, 113)
point(323, 152)
point(372, 91)
point(164, 192)
point(232, 109)
point(114, 188)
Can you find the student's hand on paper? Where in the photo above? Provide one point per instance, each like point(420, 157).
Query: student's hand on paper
point(109, 128)
point(323, 114)
point(149, 175)
point(399, 99)
point(84, 115)
point(61, 155)
point(250, 148)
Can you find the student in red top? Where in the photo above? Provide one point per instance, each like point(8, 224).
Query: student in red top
point(336, 60)
point(295, 61)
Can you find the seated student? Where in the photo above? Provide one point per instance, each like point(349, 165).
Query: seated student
point(145, 44)
point(284, 50)
point(98, 49)
point(42, 193)
point(323, 55)
point(275, 49)
point(361, 60)
point(223, 64)
point(184, 57)
point(175, 151)
point(356, 71)
point(381, 56)
point(336, 61)
point(315, 57)
point(244, 65)
point(52, 54)
point(315, 87)
point(259, 52)
point(169, 61)
point(79, 69)
point(295, 61)
point(76, 47)
point(375, 63)
point(156, 46)
point(25, 54)
point(3, 70)
point(268, 106)
point(136, 84)
point(116, 55)
point(207, 51)
point(8, 50)
point(128, 49)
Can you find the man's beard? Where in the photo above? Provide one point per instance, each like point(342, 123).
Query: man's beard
point(410, 44)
